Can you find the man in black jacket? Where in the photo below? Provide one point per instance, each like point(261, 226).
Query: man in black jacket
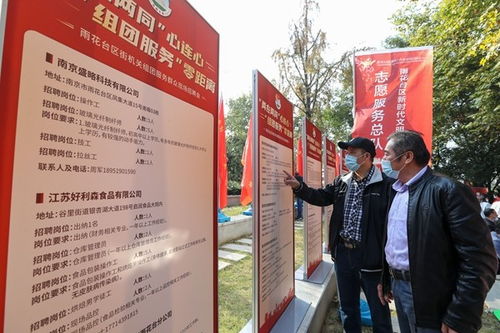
point(360, 202)
point(439, 251)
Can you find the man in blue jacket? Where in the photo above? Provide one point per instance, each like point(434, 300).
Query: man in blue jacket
point(439, 251)
point(360, 201)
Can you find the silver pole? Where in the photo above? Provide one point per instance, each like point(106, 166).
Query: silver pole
point(305, 178)
point(255, 203)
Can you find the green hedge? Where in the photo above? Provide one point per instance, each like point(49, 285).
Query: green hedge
point(233, 188)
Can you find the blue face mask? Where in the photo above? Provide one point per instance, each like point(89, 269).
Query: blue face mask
point(388, 170)
point(351, 162)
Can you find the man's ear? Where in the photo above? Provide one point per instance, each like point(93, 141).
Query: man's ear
point(409, 156)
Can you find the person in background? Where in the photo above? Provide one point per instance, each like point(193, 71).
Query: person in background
point(495, 236)
point(484, 203)
point(491, 218)
point(496, 205)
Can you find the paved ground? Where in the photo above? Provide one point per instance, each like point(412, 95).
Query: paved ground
point(232, 252)
point(492, 303)
point(493, 298)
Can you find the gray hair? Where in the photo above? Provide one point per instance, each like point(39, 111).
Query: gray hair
point(410, 141)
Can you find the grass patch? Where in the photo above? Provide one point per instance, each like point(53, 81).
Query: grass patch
point(235, 289)
point(235, 210)
point(235, 296)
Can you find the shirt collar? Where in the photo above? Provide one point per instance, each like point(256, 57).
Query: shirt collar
point(399, 186)
point(367, 178)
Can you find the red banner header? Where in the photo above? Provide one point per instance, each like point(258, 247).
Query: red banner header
point(135, 37)
point(331, 156)
point(275, 113)
point(313, 141)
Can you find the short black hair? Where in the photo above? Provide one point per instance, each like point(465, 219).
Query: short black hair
point(411, 141)
point(488, 211)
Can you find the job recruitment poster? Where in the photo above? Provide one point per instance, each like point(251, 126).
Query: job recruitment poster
point(312, 139)
point(109, 133)
point(274, 283)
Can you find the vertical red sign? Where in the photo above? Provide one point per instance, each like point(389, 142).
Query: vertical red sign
point(312, 138)
point(331, 155)
point(274, 279)
point(393, 92)
point(222, 157)
point(109, 136)
point(330, 172)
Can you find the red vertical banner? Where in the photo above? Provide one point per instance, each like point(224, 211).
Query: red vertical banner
point(313, 254)
point(246, 161)
point(299, 158)
point(274, 279)
point(393, 92)
point(109, 136)
point(222, 157)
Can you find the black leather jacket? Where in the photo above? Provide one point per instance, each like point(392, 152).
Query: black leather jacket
point(375, 207)
point(452, 259)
